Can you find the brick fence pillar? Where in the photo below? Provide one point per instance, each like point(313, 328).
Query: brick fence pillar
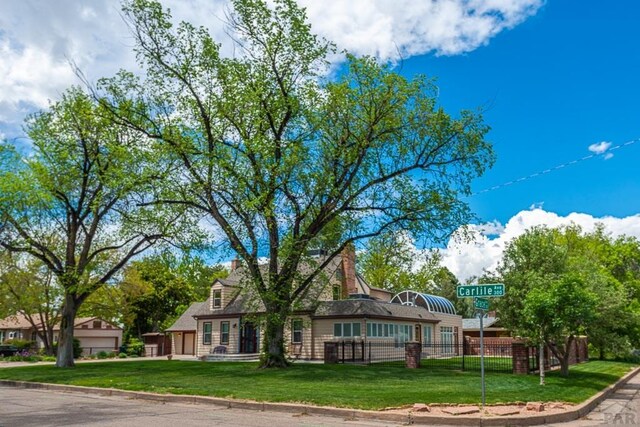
point(583, 349)
point(520, 357)
point(413, 354)
point(330, 352)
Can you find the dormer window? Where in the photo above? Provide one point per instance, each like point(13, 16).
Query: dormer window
point(217, 298)
point(337, 292)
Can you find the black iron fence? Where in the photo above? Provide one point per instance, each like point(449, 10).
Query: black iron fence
point(454, 356)
point(550, 360)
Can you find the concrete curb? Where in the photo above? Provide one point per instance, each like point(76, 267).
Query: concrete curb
point(575, 413)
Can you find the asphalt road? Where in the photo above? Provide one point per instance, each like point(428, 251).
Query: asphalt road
point(26, 408)
point(44, 408)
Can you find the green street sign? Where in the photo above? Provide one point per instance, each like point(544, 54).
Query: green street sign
point(481, 303)
point(494, 290)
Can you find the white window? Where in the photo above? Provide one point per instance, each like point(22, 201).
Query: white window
point(400, 333)
point(427, 334)
point(446, 339)
point(296, 331)
point(217, 298)
point(346, 330)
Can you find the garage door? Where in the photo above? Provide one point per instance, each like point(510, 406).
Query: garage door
point(93, 345)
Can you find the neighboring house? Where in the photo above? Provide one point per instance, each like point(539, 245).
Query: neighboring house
point(491, 327)
point(94, 334)
point(340, 305)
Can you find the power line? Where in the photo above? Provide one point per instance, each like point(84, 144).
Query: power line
point(560, 166)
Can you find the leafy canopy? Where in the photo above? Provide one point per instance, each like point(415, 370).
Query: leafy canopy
point(282, 159)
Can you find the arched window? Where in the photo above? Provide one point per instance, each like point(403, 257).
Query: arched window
point(433, 303)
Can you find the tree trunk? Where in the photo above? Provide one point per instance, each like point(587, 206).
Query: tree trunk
point(601, 352)
point(64, 359)
point(563, 355)
point(46, 337)
point(541, 361)
point(564, 366)
point(273, 351)
point(49, 335)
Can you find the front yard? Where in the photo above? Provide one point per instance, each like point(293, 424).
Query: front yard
point(363, 387)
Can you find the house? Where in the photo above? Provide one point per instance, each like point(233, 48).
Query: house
point(338, 306)
point(94, 334)
point(491, 327)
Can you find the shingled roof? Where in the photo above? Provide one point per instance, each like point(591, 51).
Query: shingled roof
point(372, 309)
point(187, 322)
point(474, 323)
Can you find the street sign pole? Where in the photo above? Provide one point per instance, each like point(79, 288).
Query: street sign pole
point(480, 293)
point(482, 357)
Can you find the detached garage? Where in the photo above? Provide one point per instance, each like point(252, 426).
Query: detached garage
point(95, 335)
point(183, 331)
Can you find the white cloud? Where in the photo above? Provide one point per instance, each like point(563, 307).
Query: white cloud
point(39, 37)
point(600, 147)
point(470, 258)
point(386, 28)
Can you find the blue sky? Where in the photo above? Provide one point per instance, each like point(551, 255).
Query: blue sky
point(560, 81)
point(554, 77)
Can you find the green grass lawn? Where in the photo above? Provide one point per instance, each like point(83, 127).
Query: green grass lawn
point(365, 387)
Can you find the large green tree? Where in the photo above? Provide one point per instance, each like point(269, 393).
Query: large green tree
point(613, 266)
point(29, 289)
point(154, 291)
point(390, 261)
point(159, 288)
point(563, 282)
point(276, 154)
point(73, 201)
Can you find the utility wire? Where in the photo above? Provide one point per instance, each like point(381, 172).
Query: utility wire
point(560, 166)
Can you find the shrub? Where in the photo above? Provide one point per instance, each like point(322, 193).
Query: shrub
point(102, 355)
point(20, 344)
point(24, 356)
point(135, 347)
point(122, 355)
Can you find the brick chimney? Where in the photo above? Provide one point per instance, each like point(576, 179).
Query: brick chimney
point(235, 263)
point(349, 271)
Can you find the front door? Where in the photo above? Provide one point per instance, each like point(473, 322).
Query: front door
point(188, 343)
point(248, 338)
point(418, 333)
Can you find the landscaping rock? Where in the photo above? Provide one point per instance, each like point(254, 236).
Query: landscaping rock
point(557, 405)
point(535, 406)
point(462, 410)
point(421, 407)
point(503, 411)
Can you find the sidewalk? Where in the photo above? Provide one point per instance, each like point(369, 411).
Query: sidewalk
point(621, 408)
point(116, 359)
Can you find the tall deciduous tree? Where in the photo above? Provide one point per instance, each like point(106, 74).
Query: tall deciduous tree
point(562, 282)
point(276, 155)
point(29, 289)
point(79, 187)
point(159, 288)
point(390, 261)
point(614, 275)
